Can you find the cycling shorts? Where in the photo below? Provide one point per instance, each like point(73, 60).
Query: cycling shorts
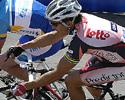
point(96, 71)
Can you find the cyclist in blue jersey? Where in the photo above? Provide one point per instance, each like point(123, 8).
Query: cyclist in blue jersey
point(27, 19)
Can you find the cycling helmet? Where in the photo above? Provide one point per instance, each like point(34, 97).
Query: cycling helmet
point(58, 10)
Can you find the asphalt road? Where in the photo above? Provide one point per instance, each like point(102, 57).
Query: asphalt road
point(118, 87)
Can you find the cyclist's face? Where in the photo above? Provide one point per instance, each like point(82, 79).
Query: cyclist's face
point(59, 26)
point(54, 24)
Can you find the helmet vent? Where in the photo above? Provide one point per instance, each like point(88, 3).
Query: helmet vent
point(51, 8)
point(76, 8)
point(68, 12)
point(63, 2)
point(57, 11)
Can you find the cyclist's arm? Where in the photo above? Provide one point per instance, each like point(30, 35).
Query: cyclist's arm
point(62, 68)
point(44, 40)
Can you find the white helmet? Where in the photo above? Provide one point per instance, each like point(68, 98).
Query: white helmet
point(58, 10)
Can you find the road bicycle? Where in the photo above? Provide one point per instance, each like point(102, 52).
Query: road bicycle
point(107, 88)
point(54, 91)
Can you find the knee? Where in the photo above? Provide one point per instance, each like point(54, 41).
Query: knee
point(68, 79)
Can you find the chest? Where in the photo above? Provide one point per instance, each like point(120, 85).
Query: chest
point(99, 32)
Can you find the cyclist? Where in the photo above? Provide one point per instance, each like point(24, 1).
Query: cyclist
point(30, 22)
point(101, 38)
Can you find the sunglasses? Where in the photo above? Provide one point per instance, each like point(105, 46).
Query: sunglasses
point(57, 23)
point(54, 23)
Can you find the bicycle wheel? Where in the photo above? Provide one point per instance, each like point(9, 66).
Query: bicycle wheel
point(5, 82)
point(119, 97)
point(44, 95)
point(122, 97)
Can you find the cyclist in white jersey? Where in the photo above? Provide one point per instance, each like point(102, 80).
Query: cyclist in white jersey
point(29, 22)
point(101, 38)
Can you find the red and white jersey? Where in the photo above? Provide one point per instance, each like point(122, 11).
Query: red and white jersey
point(103, 39)
point(99, 32)
point(99, 37)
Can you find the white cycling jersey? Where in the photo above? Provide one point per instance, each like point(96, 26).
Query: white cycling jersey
point(98, 37)
point(104, 40)
point(99, 32)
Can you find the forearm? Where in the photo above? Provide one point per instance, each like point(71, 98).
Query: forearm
point(42, 41)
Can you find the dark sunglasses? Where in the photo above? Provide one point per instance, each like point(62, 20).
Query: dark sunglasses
point(54, 23)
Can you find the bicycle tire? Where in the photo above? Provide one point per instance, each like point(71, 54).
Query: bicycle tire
point(4, 88)
point(121, 97)
point(44, 95)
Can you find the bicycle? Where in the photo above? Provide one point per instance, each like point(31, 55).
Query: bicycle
point(106, 88)
point(54, 91)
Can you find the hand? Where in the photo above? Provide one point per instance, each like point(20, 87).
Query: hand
point(15, 51)
point(19, 89)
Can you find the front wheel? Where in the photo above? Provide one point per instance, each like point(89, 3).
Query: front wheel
point(36, 94)
point(119, 97)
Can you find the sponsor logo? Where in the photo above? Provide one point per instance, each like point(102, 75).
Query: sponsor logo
point(105, 54)
point(105, 78)
point(29, 32)
point(114, 27)
point(101, 35)
point(70, 51)
point(34, 49)
point(113, 57)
